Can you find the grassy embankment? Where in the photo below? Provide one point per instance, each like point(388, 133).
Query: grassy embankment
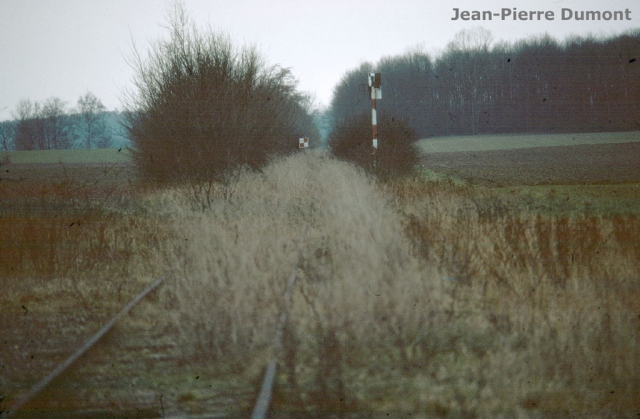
point(425, 296)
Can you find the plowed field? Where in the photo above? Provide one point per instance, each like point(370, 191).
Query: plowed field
point(564, 165)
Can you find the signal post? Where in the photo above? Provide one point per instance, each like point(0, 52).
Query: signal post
point(375, 83)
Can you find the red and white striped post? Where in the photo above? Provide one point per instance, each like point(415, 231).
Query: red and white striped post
point(375, 83)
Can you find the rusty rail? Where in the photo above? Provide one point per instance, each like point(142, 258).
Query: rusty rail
point(264, 398)
point(78, 353)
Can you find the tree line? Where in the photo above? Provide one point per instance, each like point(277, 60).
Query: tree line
point(52, 125)
point(536, 85)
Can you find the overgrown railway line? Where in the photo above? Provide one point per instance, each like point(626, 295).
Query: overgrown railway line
point(262, 403)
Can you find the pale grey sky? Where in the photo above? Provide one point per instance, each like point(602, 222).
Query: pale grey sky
point(65, 48)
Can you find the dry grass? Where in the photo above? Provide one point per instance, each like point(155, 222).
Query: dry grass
point(555, 297)
point(489, 308)
point(356, 275)
point(63, 220)
point(426, 296)
point(76, 243)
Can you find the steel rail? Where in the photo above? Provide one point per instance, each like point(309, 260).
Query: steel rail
point(264, 398)
point(78, 353)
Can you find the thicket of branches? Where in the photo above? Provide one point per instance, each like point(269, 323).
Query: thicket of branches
point(583, 84)
point(351, 139)
point(204, 109)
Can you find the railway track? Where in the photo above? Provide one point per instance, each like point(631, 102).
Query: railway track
point(262, 402)
point(42, 384)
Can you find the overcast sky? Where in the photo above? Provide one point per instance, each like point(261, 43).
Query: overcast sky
point(65, 48)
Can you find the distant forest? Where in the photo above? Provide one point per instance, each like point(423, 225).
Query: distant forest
point(537, 85)
point(52, 125)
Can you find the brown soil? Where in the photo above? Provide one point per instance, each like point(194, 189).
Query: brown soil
point(580, 164)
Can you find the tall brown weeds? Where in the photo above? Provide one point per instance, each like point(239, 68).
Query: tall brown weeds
point(431, 297)
point(88, 224)
point(358, 285)
point(423, 296)
point(555, 296)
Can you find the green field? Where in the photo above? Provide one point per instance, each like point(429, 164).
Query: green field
point(80, 155)
point(513, 141)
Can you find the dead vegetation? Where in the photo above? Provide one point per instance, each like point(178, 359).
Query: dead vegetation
point(424, 296)
point(554, 296)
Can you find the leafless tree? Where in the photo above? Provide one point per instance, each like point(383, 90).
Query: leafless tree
point(57, 129)
point(27, 129)
point(92, 120)
point(472, 39)
point(43, 126)
point(25, 109)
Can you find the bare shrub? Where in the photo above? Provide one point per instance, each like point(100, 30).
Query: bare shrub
point(351, 140)
point(204, 108)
